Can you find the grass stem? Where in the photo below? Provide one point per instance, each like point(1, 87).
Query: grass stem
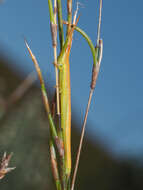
point(95, 71)
point(69, 13)
point(81, 140)
point(60, 23)
point(46, 102)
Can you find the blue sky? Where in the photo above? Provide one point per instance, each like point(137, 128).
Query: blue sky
point(117, 109)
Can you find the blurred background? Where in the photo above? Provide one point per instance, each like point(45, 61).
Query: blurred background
point(113, 148)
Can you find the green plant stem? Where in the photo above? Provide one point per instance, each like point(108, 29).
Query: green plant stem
point(97, 57)
point(51, 11)
point(46, 102)
point(60, 23)
point(64, 49)
point(89, 41)
point(61, 37)
point(53, 25)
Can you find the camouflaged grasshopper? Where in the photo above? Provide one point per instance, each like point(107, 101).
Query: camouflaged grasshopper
point(60, 119)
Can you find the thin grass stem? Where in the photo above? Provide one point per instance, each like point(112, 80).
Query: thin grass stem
point(46, 102)
point(54, 165)
point(60, 23)
point(95, 71)
point(99, 23)
point(69, 15)
point(51, 11)
point(53, 24)
point(81, 140)
point(89, 41)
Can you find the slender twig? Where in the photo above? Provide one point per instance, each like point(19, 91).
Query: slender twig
point(95, 72)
